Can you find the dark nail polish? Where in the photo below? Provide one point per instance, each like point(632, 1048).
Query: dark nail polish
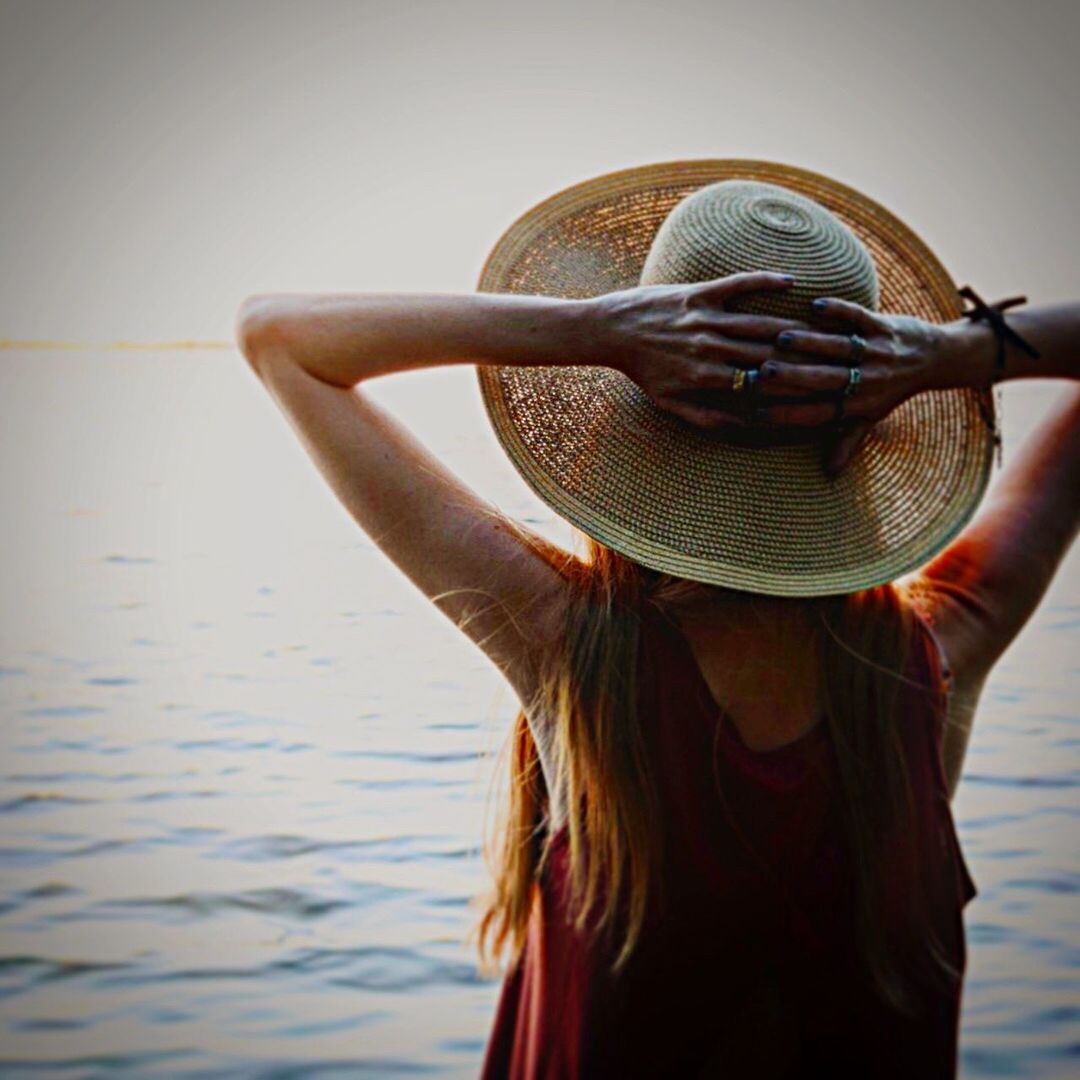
point(788, 278)
point(767, 370)
point(784, 339)
point(821, 304)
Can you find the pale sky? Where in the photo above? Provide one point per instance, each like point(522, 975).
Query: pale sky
point(160, 161)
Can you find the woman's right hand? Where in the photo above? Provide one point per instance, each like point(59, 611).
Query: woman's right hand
point(677, 341)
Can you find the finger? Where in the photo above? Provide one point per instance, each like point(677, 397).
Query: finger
point(836, 347)
point(747, 281)
point(829, 307)
point(757, 327)
point(702, 416)
point(780, 377)
point(718, 358)
point(717, 375)
point(809, 415)
point(840, 450)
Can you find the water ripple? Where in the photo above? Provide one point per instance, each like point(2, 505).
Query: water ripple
point(377, 849)
point(1022, 781)
point(413, 755)
point(292, 903)
point(42, 801)
point(23, 972)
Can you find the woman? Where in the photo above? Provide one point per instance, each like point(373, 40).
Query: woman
point(738, 689)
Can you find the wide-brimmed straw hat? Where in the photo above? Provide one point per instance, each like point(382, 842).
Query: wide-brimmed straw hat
point(594, 447)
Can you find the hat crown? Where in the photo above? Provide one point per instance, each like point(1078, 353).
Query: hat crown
point(734, 226)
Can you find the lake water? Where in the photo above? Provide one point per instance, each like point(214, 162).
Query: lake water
point(245, 764)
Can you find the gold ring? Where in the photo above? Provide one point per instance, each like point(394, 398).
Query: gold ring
point(739, 381)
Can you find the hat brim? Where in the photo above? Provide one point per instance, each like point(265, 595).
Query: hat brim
point(592, 445)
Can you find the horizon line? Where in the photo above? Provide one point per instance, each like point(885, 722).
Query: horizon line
point(13, 344)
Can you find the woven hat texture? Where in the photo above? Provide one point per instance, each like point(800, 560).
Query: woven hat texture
point(593, 446)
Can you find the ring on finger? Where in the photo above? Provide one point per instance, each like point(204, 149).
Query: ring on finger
point(739, 382)
point(858, 346)
point(854, 378)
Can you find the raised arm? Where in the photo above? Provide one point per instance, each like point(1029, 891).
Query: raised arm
point(482, 570)
point(903, 356)
point(498, 581)
point(984, 587)
point(988, 582)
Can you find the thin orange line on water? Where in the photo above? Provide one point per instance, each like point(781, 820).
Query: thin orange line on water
point(12, 344)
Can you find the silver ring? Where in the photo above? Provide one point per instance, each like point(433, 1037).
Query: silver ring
point(858, 346)
point(854, 378)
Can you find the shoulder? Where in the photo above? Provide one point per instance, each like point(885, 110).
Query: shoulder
point(956, 694)
point(924, 619)
point(951, 623)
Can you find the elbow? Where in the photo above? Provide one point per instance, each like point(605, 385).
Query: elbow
point(261, 327)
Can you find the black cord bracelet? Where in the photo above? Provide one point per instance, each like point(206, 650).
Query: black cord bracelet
point(992, 313)
point(1003, 333)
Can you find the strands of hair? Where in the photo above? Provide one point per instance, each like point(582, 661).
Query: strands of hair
point(587, 697)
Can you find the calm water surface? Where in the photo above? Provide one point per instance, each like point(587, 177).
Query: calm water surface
point(245, 765)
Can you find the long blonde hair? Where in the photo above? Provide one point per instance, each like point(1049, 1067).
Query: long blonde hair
point(587, 696)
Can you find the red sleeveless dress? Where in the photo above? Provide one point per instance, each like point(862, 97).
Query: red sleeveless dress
point(740, 940)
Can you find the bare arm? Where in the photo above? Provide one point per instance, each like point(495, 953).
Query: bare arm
point(969, 348)
point(470, 560)
point(985, 586)
point(904, 355)
point(481, 569)
point(996, 572)
point(344, 338)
